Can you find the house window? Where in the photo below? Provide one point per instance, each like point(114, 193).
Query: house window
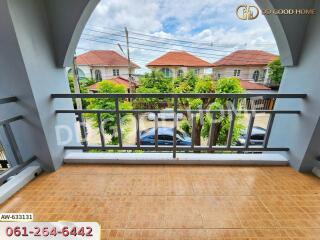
point(219, 75)
point(236, 73)
point(197, 71)
point(255, 76)
point(180, 73)
point(97, 74)
point(167, 72)
point(116, 72)
point(264, 74)
point(80, 73)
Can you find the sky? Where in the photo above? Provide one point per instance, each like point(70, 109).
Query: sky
point(208, 29)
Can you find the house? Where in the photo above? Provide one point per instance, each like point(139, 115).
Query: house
point(250, 66)
point(175, 63)
point(116, 80)
point(103, 64)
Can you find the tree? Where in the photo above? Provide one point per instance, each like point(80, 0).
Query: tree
point(109, 119)
point(154, 82)
point(191, 83)
point(202, 128)
point(84, 83)
point(222, 121)
point(157, 80)
point(275, 71)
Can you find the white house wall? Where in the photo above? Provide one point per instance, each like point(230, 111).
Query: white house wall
point(106, 72)
point(246, 73)
point(184, 69)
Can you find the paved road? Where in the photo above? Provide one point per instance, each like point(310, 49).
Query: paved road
point(261, 120)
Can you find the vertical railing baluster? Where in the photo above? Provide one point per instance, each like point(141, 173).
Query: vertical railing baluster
point(268, 131)
point(83, 130)
point(101, 130)
point(156, 134)
point(175, 104)
point(250, 126)
point(194, 123)
point(212, 130)
point(13, 144)
point(118, 116)
point(233, 117)
point(137, 129)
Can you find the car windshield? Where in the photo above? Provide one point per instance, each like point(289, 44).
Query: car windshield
point(182, 135)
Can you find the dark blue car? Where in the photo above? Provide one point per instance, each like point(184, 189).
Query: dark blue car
point(165, 137)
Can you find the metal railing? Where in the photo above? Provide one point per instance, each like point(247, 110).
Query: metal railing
point(3, 158)
point(236, 109)
point(9, 135)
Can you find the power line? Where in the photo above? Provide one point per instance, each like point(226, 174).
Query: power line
point(154, 41)
point(211, 44)
point(147, 45)
point(166, 49)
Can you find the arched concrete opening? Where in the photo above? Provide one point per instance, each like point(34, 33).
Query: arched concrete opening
point(40, 40)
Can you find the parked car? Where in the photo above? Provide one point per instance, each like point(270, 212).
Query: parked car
point(167, 116)
point(165, 137)
point(256, 139)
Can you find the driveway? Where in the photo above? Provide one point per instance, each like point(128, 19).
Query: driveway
point(261, 120)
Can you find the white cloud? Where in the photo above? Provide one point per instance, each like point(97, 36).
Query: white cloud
point(138, 15)
point(210, 21)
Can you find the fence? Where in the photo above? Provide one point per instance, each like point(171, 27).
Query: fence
point(232, 114)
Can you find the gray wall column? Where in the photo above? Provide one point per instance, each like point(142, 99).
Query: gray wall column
point(300, 133)
point(29, 70)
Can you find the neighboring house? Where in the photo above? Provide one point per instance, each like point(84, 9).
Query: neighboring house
point(103, 64)
point(116, 80)
point(250, 66)
point(176, 63)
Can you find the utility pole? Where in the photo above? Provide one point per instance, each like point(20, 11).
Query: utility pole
point(129, 61)
point(76, 83)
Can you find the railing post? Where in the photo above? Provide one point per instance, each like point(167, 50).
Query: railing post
point(156, 132)
point(268, 132)
point(137, 129)
point(13, 144)
point(83, 131)
point(212, 130)
point(118, 121)
point(194, 123)
point(250, 126)
point(101, 130)
point(233, 118)
point(175, 104)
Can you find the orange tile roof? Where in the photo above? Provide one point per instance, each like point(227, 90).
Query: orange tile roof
point(117, 80)
point(253, 86)
point(246, 58)
point(179, 58)
point(103, 58)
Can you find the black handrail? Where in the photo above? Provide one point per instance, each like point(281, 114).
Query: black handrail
point(8, 100)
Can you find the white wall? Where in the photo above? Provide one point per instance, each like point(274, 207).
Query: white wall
point(184, 69)
point(246, 73)
point(106, 72)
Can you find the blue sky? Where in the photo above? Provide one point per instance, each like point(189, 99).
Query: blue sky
point(209, 23)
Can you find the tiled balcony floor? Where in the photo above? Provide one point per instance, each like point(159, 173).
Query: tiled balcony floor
point(178, 202)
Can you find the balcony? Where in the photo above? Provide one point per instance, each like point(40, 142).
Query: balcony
point(212, 190)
